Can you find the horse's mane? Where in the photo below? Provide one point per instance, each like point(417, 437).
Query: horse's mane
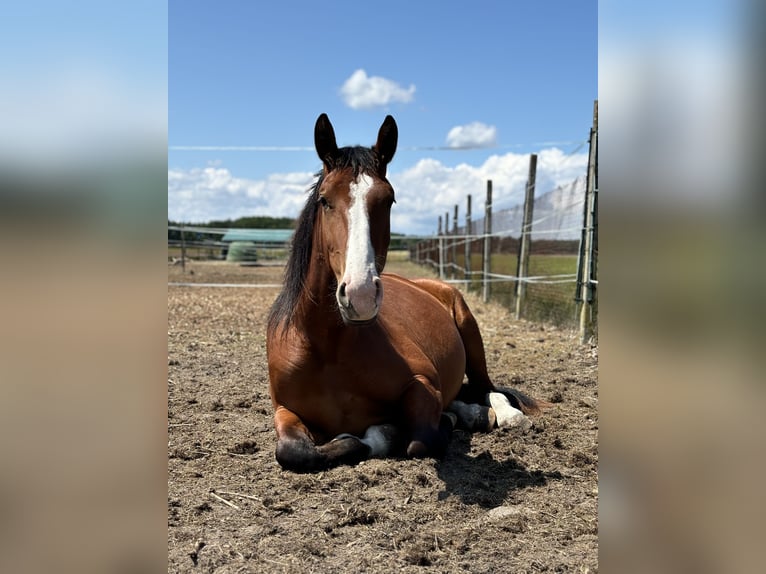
point(357, 158)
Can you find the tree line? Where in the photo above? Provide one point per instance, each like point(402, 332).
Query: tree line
point(248, 222)
point(398, 240)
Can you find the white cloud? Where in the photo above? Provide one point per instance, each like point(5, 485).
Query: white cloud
point(203, 194)
point(430, 189)
point(362, 91)
point(424, 190)
point(475, 134)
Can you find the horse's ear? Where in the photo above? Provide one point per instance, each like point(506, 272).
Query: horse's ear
point(324, 141)
point(386, 144)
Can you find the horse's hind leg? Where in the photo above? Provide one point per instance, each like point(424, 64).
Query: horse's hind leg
point(479, 384)
point(473, 417)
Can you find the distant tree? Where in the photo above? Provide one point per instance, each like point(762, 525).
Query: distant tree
point(250, 222)
point(401, 241)
point(254, 222)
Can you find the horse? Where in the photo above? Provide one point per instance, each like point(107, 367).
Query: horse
point(363, 363)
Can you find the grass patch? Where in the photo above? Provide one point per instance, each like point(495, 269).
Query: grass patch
point(545, 302)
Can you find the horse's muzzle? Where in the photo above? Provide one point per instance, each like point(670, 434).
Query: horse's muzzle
point(360, 302)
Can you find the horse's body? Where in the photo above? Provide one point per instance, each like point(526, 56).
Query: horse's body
point(354, 374)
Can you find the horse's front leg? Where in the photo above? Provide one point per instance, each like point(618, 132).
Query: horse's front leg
point(297, 451)
point(429, 429)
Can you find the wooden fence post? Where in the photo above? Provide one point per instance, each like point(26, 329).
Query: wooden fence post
point(522, 267)
point(183, 249)
point(468, 233)
point(441, 249)
point(446, 244)
point(486, 267)
point(589, 235)
point(453, 274)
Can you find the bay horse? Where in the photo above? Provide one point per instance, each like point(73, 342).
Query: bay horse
point(364, 363)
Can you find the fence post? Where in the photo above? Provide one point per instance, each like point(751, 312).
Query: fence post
point(486, 267)
point(468, 268)
point(446, 243)
point(453, 274)
point(183, 249)
point(441, 249)
point(522, 266)
point(589, 234)
point(441, 257)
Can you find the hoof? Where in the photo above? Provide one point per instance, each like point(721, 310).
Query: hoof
point(474, 417)
point(452, 418)
point(507, 416)
point(417, 449)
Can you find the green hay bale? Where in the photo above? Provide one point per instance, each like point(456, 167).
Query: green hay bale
point(242, 251)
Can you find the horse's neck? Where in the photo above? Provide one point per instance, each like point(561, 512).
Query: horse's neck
point(318, 311)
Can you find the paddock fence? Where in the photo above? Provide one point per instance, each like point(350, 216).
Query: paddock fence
point(539, 258)
point(190, 242)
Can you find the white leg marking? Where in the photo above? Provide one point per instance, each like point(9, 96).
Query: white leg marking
point(376, 439)
point(508, 416)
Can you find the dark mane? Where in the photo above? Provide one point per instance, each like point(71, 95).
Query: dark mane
point(359, 159)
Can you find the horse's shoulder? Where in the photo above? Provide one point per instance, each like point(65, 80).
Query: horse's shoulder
point(419, 294)
point(443, 292)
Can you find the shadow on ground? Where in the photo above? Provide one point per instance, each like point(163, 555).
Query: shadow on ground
point(481, 479)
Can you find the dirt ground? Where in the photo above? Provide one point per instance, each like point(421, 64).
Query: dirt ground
point(497, 502)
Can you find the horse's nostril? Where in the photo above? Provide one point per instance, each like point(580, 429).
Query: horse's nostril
point(342, 294)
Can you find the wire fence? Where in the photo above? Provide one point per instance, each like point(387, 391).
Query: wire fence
point(549, 290)
point(550, 282)
point(538, 258)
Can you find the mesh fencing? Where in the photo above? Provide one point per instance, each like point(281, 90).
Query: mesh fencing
point(549, 289)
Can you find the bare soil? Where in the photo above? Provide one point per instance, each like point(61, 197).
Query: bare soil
point(497, 502)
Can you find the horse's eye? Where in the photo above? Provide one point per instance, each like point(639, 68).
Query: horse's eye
point(323, 202)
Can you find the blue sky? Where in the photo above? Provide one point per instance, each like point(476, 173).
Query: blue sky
point(83, 83)
point(506, 78)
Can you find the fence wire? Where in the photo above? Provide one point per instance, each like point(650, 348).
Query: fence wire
point(550, 284)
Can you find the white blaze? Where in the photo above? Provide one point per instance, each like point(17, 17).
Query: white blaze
point(360, 257)
point(359, 293)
